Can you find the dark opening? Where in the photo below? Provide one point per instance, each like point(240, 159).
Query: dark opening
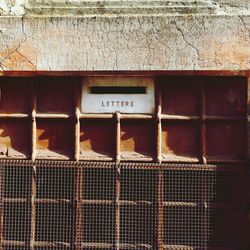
point(117, 90)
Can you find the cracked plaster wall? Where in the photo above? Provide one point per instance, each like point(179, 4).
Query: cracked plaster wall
point(125, 43)
point(216, 41)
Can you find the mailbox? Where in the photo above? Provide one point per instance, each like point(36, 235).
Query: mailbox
point(118, 94)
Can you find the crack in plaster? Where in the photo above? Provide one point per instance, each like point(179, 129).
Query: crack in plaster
point(188, 43)
point(16, 49)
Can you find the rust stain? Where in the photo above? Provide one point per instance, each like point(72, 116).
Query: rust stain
point(18, 58)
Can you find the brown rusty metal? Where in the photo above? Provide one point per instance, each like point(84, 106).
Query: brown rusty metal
point(13, 115)
point(158, 124)
point(117, 206)
point(77, 122)
point(160, 217)
point(118, 137)
point(33, 209)
point(33, 115)
point(203, 125)
point(180, 117)
point(77, 211)
point(54, 116)
point(1, 206)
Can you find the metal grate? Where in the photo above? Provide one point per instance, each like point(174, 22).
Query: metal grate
point(95, 205)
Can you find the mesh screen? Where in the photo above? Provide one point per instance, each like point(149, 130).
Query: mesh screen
point(69, 205)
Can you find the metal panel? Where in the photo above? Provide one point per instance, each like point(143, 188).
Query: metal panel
point(203, 206)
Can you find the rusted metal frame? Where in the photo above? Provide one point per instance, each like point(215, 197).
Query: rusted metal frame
point(160, 211)
point(158, 124)
point(32, 197)
point(203, 124)
point(133, 159)
point(77, 195)
point(117, 117)
point(1, 205)
point(110, 116)
point(248, 120)
point(77, 209)
point(183, 247)
point(127, 203)
point(32, 209)
point(33, 117)
point(93, 245)
point(160, 181)
point(46, 244)
point(13, 115)
point(116, 245)
point(204, 161)
point(77, 121)
point(103, 159)
point(205, 208)
point(176, 160)
point(179, 117)
point(117, 182)
point(54, 116)
point(110, 202)
point(248, 157)
point(129, 73)
point(132, 165)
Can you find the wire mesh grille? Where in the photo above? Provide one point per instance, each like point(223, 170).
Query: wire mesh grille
point(69, 205)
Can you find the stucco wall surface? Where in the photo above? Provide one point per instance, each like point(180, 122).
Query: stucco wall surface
point(205, 35)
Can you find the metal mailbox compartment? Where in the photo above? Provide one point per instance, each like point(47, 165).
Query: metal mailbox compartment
point(118, 94)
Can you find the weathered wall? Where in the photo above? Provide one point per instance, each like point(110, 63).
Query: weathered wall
point(208, 35)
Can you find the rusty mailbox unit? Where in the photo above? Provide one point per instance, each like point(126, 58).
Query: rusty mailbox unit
point(123, 162)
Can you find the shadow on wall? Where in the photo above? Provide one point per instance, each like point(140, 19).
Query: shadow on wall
point(14, 138)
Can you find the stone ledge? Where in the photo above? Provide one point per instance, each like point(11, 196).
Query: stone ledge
point(117, 8)
point(114, 7)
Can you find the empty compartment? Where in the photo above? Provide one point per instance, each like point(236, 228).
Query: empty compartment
point(137, 140)
point(137, 225)
point(97, 139)
point(180, 96)
point(15, 138)
point(226, 96)
point(183, 186)
point(138, 184)
point(13, 179)
point(98, 224)
point(98, 184)
point(16, 221)
point(54, 139)
point(180, 141)
point(55, 183)
point(184, 226)
point(226, 140)
point(15, 95)
point(55, 94)
point(53, 223)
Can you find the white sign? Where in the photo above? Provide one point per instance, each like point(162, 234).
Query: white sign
point(108, 94)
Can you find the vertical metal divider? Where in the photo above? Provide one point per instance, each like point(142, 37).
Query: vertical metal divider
point(33, 173)
point(204, 160)
point(1, 206)
point(117, 181)
point(160, 177)
point(247, 168)
point(203, 124)
point(77, 196)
